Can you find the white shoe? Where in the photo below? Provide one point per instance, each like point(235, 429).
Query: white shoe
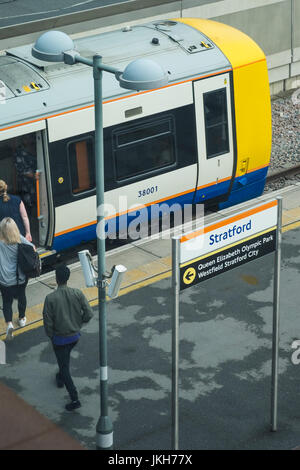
point(22, 322)
point(9, 332)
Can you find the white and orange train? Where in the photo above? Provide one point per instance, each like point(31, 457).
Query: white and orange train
point(205, 137)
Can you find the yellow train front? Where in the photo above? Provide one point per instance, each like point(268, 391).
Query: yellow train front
point(203, 138)
point(251, 117)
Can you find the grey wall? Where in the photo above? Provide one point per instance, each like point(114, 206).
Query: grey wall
point(273, 24)
point(273, 38)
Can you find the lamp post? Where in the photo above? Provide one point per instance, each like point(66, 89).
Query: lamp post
point(141, 74)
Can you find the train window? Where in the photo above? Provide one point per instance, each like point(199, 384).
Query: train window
point(82, 165)
point(216, 123)
point(144, 147)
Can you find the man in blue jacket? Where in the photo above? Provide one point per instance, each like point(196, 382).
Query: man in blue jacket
point(65, 311)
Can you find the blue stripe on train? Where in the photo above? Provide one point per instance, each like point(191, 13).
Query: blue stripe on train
point(244, 188)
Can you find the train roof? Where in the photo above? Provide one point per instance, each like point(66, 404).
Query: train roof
point(38, 89)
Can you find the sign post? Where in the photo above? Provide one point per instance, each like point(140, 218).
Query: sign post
point(275, 342)
point(215, 249)
point(175, 340)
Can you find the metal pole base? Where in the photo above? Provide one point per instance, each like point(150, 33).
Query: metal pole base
point(104, 434)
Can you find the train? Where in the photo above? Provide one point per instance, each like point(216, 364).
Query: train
point(205, 137)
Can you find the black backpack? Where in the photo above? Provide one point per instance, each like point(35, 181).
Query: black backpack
point(28, 261)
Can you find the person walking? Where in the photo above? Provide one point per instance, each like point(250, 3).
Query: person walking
point(65, 311)
point(12, 206)
point(12, 284)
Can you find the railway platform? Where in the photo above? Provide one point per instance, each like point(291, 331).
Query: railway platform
point(147, 261)
point(233, 355)
point(24, 428)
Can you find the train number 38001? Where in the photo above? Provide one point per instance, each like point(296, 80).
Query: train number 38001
point(147, 191)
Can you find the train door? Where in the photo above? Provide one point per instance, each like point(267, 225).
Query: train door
point(22, 168)
point(44, 201)
point(214, 136)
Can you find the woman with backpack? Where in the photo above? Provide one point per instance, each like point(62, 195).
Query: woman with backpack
point(12, 206)
point(12, 285)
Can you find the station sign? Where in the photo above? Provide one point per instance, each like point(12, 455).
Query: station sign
point(214, 249)
point(226, 244)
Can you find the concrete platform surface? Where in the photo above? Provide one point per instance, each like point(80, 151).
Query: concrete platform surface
point(225, 355)
point(24, 428)
point(146, 261)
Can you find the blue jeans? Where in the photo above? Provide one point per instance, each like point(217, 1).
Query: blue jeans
point(62, 354)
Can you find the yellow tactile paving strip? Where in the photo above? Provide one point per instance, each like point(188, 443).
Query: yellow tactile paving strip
point(290, 216)
point(134, 279)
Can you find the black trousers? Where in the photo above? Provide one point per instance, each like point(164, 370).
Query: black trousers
point(9, 293)
point(63, 354)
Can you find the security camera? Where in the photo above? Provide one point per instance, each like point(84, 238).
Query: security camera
point(89, 273)
point(118, 273)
